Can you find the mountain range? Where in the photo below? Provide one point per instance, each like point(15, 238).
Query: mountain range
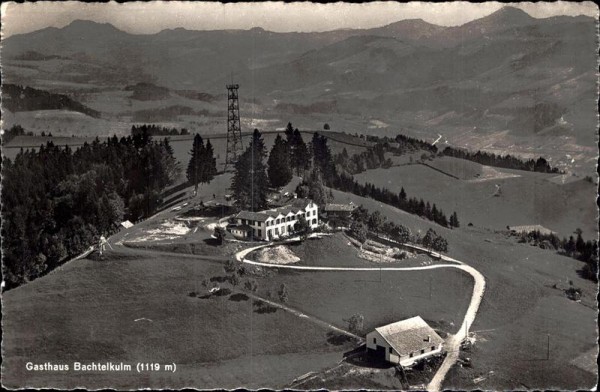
point(507, 80)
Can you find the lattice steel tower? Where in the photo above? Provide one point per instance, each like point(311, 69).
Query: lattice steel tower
point(234, 131)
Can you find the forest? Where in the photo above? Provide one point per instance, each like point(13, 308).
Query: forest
point(504, 161)
point(23, 98)
point(156, 130)
point(56, 202)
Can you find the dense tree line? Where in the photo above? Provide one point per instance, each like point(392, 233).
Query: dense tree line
point(252, 178)
point(14, 131)
point(156, 130)
point(575, 247)
point(56, 202)
point(505, 161)
point(372, 158)
point(23, 98)
point(376, 223)
point(347, 183)
point(364, 222)
point(409, 144)
point(328, 174)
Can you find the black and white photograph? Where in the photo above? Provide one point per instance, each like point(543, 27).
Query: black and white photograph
point(299, 195)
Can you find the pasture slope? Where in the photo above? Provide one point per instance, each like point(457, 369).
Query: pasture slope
point(525, 198)
point(520, 308)
point(86, 309)
point(452, 343)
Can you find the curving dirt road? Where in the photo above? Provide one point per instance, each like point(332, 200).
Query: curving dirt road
point(452, 344)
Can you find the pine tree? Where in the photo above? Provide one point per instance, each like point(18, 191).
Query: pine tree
point(289, 133)
point(250, 182)
point(300, 157)
point(211, 161)
point(454, 220)
point(279, 170)
point(322, 156)
point(202, 166)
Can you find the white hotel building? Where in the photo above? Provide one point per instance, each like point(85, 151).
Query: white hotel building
point(275, 223)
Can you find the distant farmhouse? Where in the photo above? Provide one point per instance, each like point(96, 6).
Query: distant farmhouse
point(405, 342)
point(275, 223)
point(530, 228)
point(338, 211)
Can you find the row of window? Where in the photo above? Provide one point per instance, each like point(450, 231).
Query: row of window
point(278, 221)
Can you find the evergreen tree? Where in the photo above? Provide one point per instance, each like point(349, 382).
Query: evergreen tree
point(299, 154)
point(203, 165)
point(322, 156)
point(250, 182)
point(289, 134)
point(313, 188)
point(579, 242)
point(279, 170)
point(454, 220)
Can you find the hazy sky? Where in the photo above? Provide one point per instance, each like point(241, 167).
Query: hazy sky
point(145, 18)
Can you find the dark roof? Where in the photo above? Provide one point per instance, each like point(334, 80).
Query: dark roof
point(298, 205)
point(301, 203)
point(256, 216)
point(409, 335)
point(339, 207)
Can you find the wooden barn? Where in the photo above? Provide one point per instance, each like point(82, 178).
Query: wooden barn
point(405, 342)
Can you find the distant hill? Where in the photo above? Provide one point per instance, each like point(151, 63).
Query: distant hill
point(526, 81)
point(22, 99)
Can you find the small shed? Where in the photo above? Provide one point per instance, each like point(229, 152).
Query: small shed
point(405, 342)
point(241, 231)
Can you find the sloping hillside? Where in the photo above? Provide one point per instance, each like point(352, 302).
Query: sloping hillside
point(24, 99)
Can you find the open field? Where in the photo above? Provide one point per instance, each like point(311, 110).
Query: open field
point(106, 297)
point(103, 298)
point(520, 305)
point(526, 200)
point(212, 341)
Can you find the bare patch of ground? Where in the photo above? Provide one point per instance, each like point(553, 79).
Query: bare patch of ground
point(489, 173)
point(280, 254)
point(168, 230)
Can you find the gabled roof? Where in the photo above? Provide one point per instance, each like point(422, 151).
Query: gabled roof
point(339, 207)
point(410, 335)
point(301, 203)
point(298, 205)
point(256, 216)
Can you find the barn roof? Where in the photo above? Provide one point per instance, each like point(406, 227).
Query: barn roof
point(409, 335)
point(339, 207)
